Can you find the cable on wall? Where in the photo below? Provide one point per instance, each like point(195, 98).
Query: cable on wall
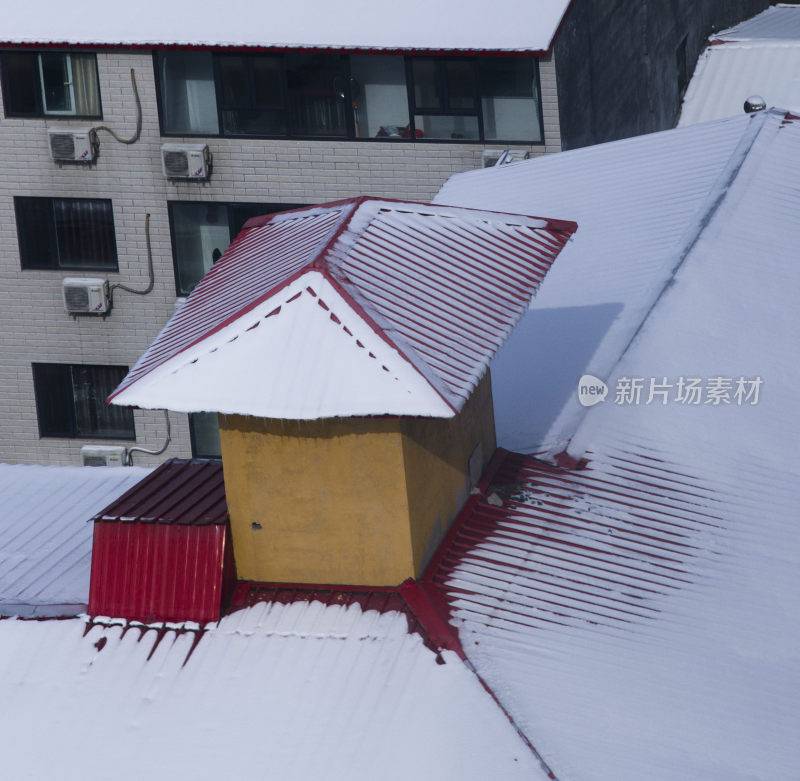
point(150, 269)
point(135, 137)
point(132, 450)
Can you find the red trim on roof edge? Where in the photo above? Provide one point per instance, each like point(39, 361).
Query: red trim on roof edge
point(314, 49)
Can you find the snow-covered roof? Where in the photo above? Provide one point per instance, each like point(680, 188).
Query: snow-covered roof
point(296, 692)
point(361, 307)
point(780, 22)
point(46, 534)
point(509, 25)
point(638, 618)
point(639, 614)
point(642, 205)
point(760, 56)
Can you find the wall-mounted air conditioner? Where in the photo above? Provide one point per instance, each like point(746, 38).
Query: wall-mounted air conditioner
point(86, 295)
point(492, 157)
point(104, 455)
point(186, 161)
point(72, 146)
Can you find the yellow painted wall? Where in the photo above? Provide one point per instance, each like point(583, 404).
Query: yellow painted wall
point(436, 454)
point(358, 501)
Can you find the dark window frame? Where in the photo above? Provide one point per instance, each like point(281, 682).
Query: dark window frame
point(351, 136)
point(40, 113)
point(231, 207)
point(24, 241)
point(70, 429)
point(193, 440)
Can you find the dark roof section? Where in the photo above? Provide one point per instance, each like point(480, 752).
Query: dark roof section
point(180, 491)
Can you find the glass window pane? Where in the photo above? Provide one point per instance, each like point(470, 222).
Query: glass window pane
point(91, 385)
point(233, 81)
point(426, 86)
point(37, 246)
point(56, 83)
point(52, 384)
point(84, 233)
point(267, 78)
point(379, 96)
point(201, 234)
point(188, 97)
point(21, 83)
point(85, 88)
point(460, 75)
point(510, 99)
point(446, 127)
point(317, 94)
point(205, 435)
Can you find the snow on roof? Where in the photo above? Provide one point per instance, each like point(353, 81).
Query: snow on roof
point(780, 22)
point(761, 57)
point(648, 599)
point(46, 536)
point(509, 25)
point(304, 690)
point(640, 204)
point(638, 618)
point(362, 307)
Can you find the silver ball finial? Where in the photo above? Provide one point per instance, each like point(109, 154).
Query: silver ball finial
point(754, 103)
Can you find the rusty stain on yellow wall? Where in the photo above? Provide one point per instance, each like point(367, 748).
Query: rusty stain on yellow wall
point(360, 501)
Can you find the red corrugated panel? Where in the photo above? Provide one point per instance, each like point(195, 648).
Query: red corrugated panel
point(179, 491)
point(449, 282)
point(158, 572)
point(162, 552)
point(559, 546)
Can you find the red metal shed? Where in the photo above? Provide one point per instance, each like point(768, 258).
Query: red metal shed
point(163, 551)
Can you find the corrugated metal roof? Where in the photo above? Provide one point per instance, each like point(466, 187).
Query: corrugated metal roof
point(778, 22)
point(46, 537)
point(760, 56)
point(512, 25)
point(657, 189)
point(576, 547)
point(180, 491)
point(634, 616)
point(296, 691)
point(355, 308)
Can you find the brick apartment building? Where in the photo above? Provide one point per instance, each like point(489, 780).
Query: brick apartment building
point(269, 112)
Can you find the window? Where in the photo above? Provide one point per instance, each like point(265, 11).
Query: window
point(51, 84)
point(66, 233)
point(313, 95)
point(204, 430)
point(71, 401)
point(202, 231)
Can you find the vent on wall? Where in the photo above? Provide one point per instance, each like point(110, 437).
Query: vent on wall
point(104, 455)
point(186, 161)
point(73, 146)
point(86, 296)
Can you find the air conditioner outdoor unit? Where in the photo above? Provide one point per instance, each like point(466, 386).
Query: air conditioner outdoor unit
point(186, 161)
point(104, 455)
point(86, 295)
point(73, 146)
point(492, 157)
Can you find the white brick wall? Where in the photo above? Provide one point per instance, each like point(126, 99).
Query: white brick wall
point(34, 325)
